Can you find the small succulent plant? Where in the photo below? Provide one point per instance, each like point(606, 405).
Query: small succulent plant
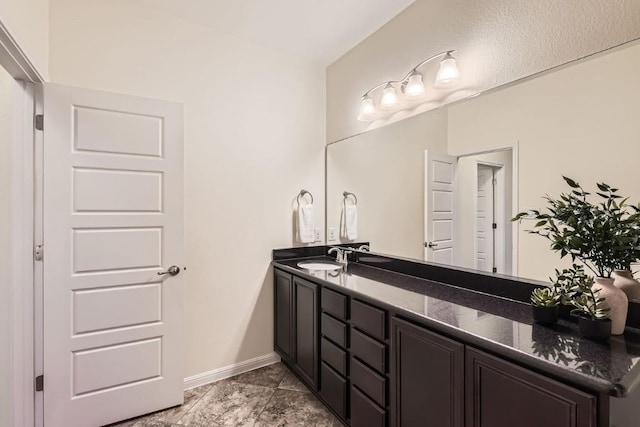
point(545, 297)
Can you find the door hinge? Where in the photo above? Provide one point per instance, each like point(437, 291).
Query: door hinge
point(494, 269)
point(494, 225)
point(38, 252)
point(39, 122)
point(40, 383)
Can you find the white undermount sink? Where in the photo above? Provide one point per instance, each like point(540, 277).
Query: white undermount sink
point(325, 266)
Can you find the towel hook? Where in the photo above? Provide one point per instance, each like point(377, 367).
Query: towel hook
point(302, 193)
point(347, 194)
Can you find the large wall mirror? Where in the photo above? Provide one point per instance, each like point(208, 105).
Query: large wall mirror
point(442, 186)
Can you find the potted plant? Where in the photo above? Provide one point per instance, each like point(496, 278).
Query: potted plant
point(545, 306)
point(627, 249)
point(594, 233)
point(593, 312)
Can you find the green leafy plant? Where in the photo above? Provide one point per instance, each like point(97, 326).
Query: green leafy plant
point(584, 298)
point(568, 281)
point(604, 236)
point(545, 297)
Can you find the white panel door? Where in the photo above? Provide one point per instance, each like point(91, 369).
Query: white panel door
point(485, 205)
point(440, 172)
point(113, 220)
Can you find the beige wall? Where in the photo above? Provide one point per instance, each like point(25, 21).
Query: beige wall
point(28, 23)
point(581, 121)
point(7, 85)
point(465, 206)
point(498, 41)
point(254, 136)
point(385, 169)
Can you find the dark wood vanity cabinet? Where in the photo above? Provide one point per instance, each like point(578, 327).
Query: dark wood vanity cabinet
point(375, 369)
point(501, 394)
point(427, 378)
point(296, 325)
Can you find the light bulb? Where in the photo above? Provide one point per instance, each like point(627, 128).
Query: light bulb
point(367, 109)
point(448, 74)
point(414, 87)
point(389, 97)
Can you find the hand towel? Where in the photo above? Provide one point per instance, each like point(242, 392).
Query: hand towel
point(349, 224)
point(305, 224)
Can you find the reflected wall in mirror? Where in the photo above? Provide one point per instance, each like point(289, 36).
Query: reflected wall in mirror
point(426, 179)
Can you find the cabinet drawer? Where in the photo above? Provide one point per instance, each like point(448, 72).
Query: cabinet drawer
point(368, 319)
point(368, 350)
point(372, 384)
point(334, 329)
point(334, 356)
point(333, 389)
point(365, 413)
point(334, 304)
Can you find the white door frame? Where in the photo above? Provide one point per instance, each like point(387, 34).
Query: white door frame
point(515, 185)
point(23, 339)
point(499, 205)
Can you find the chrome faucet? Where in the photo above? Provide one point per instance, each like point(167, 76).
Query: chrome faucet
point(364, 248)
point(342, 255)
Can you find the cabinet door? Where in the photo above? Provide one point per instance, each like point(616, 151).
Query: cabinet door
point(427, 378)
point(501, 394)
point(283, 297)
point(306, 330)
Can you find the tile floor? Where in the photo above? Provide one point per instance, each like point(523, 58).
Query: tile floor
point(267, 397)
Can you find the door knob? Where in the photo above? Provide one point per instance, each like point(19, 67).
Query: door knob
point(432, 245)
point(174, 270)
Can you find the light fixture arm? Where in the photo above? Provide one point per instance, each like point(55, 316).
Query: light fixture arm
point(431, 58)
point(413, 70)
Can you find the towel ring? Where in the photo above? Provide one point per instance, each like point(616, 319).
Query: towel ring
point(302, 194)
point(347, 194)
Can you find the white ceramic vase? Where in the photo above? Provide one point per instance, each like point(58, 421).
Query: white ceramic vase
point(617, 302)
point(623, 280)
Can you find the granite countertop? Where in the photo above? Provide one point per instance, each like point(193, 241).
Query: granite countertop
point(499, 325)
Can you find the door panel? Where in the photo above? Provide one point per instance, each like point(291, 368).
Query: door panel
point(104, 190)
point(113, 219)
point(100, 130)
point(283, 298)
point(306, 330)
point(493, 385)
point(440, 171)
point(427, 372)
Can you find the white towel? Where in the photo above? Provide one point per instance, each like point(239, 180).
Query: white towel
point(349, 224)
point(305, 224)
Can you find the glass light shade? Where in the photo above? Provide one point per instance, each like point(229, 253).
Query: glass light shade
point(415, 86)
point(448, 74)
point(367, 110)
point(389, 97)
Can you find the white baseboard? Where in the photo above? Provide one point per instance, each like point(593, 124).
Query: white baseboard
point(231, 370)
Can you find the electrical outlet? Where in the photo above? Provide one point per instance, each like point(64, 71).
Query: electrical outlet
point(332, 234)
point(318, 234)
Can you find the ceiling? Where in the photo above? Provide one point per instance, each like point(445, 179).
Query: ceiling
point(320, 30)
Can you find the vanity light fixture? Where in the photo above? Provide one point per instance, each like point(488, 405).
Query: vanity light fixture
point(411, 86)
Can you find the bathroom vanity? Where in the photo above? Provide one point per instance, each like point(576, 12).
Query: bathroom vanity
point(393, 342)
